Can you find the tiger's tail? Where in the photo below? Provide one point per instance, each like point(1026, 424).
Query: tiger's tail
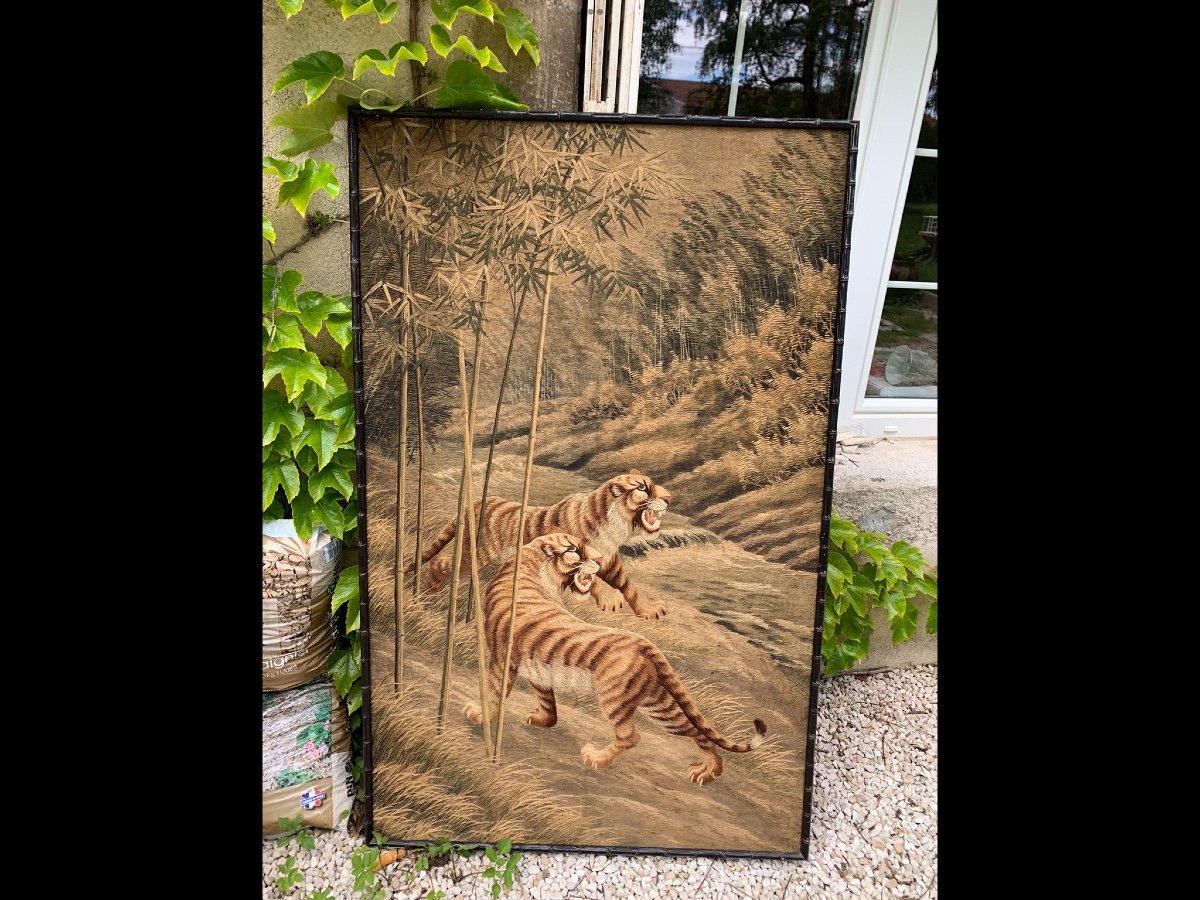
point(673, 686)
point(445, 536)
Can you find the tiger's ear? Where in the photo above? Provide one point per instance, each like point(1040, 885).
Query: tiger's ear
point(548, 550)
point(634, 472)
point(616, 490)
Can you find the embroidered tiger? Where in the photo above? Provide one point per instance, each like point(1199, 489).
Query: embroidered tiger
point(550, 646)
point(604, 518)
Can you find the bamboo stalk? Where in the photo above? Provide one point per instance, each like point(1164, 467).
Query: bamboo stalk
point(468, 465)
point(398, 587)
point(487, 471)
point(512, 615)
point(456, 565)
point(420, 464)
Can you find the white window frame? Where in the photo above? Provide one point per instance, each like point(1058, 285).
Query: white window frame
point(893, 87)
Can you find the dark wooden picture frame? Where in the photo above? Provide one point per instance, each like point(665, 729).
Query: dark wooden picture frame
point(680, 404)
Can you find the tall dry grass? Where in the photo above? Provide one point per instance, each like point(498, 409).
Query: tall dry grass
point(429, 784)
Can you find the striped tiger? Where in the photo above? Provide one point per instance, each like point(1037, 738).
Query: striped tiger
point(552, 647)
point(604, 518)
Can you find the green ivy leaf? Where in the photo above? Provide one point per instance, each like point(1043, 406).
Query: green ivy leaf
point(290, 7)
point(274, 511)
point(868, 585)
point(382, 8)
point(296, 368)
point(838, 571)
point(315, 307)
point(519, 32)
point(340, 412)
point(316, 70)
point(344, 669)
point(287, 171)
point(277, 413)
point(302, 516)
point(311, 126)
point(341, 328)
point(311, 179)
point(855, 627)
point(279, 289)
point(387, 62)
point(276, 473)
point(354, 698)
point(373, 99)
point(321, 435)
point(446, 12)
point(331, 515)
point(872, 547)
point(504, 845)
point(904, 626)
point(891, 570)
point(335, 477)
point(910, 556)
point(353, 622)
point(439, 37)
point(319, 397)
point(466, 87)
point(928, 587)
point(894, 603)
point(284, 332)
point(840, 529)
point(268, 230)
point(346, 587)
point(857, 596)
point(931, 622)
point(306, 459)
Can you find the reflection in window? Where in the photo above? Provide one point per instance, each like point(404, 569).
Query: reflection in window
point(905, 359)
point(798, 59)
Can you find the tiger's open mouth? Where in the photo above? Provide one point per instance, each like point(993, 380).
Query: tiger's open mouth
point(584, 577)
point(650, 520)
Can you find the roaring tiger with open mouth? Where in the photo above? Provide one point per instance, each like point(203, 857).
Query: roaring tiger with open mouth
point(604, 518)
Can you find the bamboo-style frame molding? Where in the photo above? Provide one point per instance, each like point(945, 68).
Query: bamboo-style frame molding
point(852, 128)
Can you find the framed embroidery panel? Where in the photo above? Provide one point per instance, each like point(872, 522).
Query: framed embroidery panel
point(596, 373)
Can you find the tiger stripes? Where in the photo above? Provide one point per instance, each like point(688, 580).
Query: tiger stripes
point(604, 518)
point(627, 671)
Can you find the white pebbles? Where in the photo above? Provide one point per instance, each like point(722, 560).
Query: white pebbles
point(874, 831)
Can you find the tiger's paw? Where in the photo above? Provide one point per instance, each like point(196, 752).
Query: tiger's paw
point(541, 719)
point(473, 713)
point(594, 756)
point(702, 773)
point(652, 609)
point(610, 601)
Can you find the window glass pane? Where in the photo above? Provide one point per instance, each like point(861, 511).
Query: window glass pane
point(798, 59)
point(928, 138)
point(905, 360)
point(915, 257)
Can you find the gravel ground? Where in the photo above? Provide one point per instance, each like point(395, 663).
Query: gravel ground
point(874, 830)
